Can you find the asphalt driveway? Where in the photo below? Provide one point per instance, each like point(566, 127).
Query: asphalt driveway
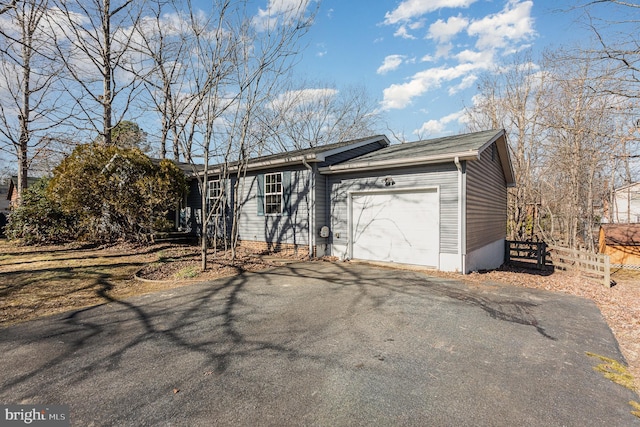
point(322, 344)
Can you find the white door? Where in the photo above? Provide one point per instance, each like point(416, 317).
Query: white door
point(396, 226)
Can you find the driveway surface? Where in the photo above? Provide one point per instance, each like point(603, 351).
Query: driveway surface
point(322, 344)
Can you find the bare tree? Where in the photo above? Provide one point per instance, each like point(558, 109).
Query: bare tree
point(29, 101)
point(310, 114)
point(566, 129)
point(615, 24)
point(93, 39)
point(512, 98)
point(162, 41)
point(235, 59)
point(583, 133)
point(7, 6)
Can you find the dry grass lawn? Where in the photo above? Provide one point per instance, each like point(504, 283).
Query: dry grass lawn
point(44, 280)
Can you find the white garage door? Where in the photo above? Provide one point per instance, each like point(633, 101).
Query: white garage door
point(396, 226)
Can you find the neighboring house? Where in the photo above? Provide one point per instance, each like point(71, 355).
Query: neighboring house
point(12, 193)
point(621, 242)
point(440, 203)
point(626, 204)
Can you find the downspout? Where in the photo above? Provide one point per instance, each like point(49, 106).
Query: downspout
point(462, 221)
point(311, 209)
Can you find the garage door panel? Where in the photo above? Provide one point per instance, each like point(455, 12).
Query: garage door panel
point(396, 227)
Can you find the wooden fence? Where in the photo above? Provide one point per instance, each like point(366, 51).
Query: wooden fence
point(526, 253)
point(597, 265)
point(539, 255)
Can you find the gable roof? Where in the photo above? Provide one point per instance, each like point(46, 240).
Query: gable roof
point(307, 155)
point(621, 234)
point(438, 150)
point(13, 184)
point(629, 187)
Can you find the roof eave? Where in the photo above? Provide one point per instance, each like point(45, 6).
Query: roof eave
point(394, 163)
point(318, 157)
point(267, 164)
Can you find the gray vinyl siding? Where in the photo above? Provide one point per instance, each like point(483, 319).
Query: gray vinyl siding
point(486, 193)
point(274, 228)
point(321, 207)
point(444, 176)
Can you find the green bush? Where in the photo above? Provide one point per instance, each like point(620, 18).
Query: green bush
point(116, 193)
point(39, 219)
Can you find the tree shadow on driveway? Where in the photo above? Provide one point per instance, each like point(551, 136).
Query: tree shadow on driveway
point(309, 343)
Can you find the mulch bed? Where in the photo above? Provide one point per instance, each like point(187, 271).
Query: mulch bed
point(183, 263)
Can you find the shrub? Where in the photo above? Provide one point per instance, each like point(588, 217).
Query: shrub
point(116, 193)
point(39, 219)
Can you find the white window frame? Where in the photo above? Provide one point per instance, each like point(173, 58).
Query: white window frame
point(215, 191)
point(273, 190)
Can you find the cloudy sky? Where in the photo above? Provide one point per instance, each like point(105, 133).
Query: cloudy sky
point(421, 58)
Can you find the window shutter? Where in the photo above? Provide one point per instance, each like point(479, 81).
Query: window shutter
point(286, 193)
point(260, 196)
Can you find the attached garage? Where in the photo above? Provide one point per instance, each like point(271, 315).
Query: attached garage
point(396, 226)
point(439, 203)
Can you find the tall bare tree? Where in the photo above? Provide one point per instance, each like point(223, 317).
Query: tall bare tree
point(162, 42)
point(583, 134)
point(512, 98)
point(566, 128)
point(29, 75)
point(93, 39)
point(235, 58)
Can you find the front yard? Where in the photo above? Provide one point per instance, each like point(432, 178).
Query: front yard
point(39, 281)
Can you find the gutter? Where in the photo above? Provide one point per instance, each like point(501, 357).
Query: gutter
point(462, 220)
point(393, 163)
point(311, 209)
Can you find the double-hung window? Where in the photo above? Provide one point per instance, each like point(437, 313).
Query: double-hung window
point(215, 195)
point(273, 193)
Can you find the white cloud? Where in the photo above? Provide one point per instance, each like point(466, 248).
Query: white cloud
point(503, 32)
point(280, 11)
point(484, 59)
point(402, 32)
point(437, 127)
point(399, 96)
point(294, 98)
point(411, 9)
point(390, 63)
point(444, 31)
point(466, 83)
point(513, 24)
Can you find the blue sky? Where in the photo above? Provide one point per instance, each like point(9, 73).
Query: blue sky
point(421, 58)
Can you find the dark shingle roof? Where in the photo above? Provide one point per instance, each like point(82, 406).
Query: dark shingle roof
point(313, 150)
point(295, 155)
point(431, 147)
